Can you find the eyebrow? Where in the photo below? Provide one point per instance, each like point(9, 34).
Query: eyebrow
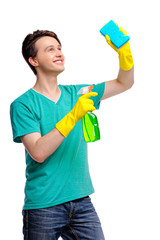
point(52, 46)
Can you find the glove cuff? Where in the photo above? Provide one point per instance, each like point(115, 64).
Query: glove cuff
point(65, 125)
point(125, 59)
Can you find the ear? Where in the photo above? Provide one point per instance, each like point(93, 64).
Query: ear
point(33, 62)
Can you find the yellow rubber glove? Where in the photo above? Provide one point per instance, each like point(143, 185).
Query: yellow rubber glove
point(83, 105)
point(125, 55)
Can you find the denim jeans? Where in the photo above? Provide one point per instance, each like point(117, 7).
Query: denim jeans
point(72, 220)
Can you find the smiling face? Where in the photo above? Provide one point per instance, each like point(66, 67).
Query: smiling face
point(49, 58)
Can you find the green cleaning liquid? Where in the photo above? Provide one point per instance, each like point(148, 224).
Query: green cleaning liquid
point(90, 125)
point(91, 130)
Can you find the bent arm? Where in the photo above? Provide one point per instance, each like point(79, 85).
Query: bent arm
point(40, 147)
point(123, 82)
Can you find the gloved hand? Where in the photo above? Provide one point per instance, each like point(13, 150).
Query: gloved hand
point(83, 105)
point(125, 55)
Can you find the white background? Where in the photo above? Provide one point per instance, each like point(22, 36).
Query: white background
point(124, 164)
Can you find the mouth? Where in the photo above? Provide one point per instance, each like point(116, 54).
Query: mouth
point(58, 61)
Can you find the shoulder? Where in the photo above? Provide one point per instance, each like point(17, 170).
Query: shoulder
point(67, 88)
point(22, 98)
point(25, 100)
point(97, 87)
point(73, 88)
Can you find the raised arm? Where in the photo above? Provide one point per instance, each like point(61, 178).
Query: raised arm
point(125, 78)
point(124, 81)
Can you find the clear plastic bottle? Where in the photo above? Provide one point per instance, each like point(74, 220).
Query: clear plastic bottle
point(90, 124)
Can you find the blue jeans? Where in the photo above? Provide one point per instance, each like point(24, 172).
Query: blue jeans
point(72, 220)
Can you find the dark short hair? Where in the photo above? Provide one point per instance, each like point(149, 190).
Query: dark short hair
point(28, 45)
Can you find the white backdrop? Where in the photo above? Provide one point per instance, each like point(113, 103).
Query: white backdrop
point(124, 164)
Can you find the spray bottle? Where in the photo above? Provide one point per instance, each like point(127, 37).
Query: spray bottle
point(90, 125)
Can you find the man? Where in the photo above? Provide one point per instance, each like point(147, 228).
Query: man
point(47, 120)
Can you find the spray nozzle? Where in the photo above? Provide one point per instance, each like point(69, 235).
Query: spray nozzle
point(85, 90)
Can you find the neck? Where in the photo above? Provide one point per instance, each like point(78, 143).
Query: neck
point(46, 84)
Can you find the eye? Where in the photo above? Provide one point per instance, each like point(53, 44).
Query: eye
point(51, 49)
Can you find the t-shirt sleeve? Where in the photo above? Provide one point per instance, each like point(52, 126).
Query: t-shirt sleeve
point(99, 88)
point(23, 121)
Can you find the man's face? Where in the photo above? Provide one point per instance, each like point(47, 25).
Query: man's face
point(49, 56)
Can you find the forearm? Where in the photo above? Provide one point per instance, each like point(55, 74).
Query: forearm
point(48, 144)
point(126, 78)
point(123, 82)
point(40, 147)
point(43, 147)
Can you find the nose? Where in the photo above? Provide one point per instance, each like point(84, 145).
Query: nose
point(58, 52)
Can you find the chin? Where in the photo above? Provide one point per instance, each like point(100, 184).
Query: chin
point(60, 70)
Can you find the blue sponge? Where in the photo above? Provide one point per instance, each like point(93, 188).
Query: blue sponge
point(117, 37)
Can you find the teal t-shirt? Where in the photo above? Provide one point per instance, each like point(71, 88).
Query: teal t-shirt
point(64, 175)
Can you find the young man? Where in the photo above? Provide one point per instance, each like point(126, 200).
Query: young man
point(47, 120)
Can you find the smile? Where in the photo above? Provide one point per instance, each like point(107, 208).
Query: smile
point(58, 62)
